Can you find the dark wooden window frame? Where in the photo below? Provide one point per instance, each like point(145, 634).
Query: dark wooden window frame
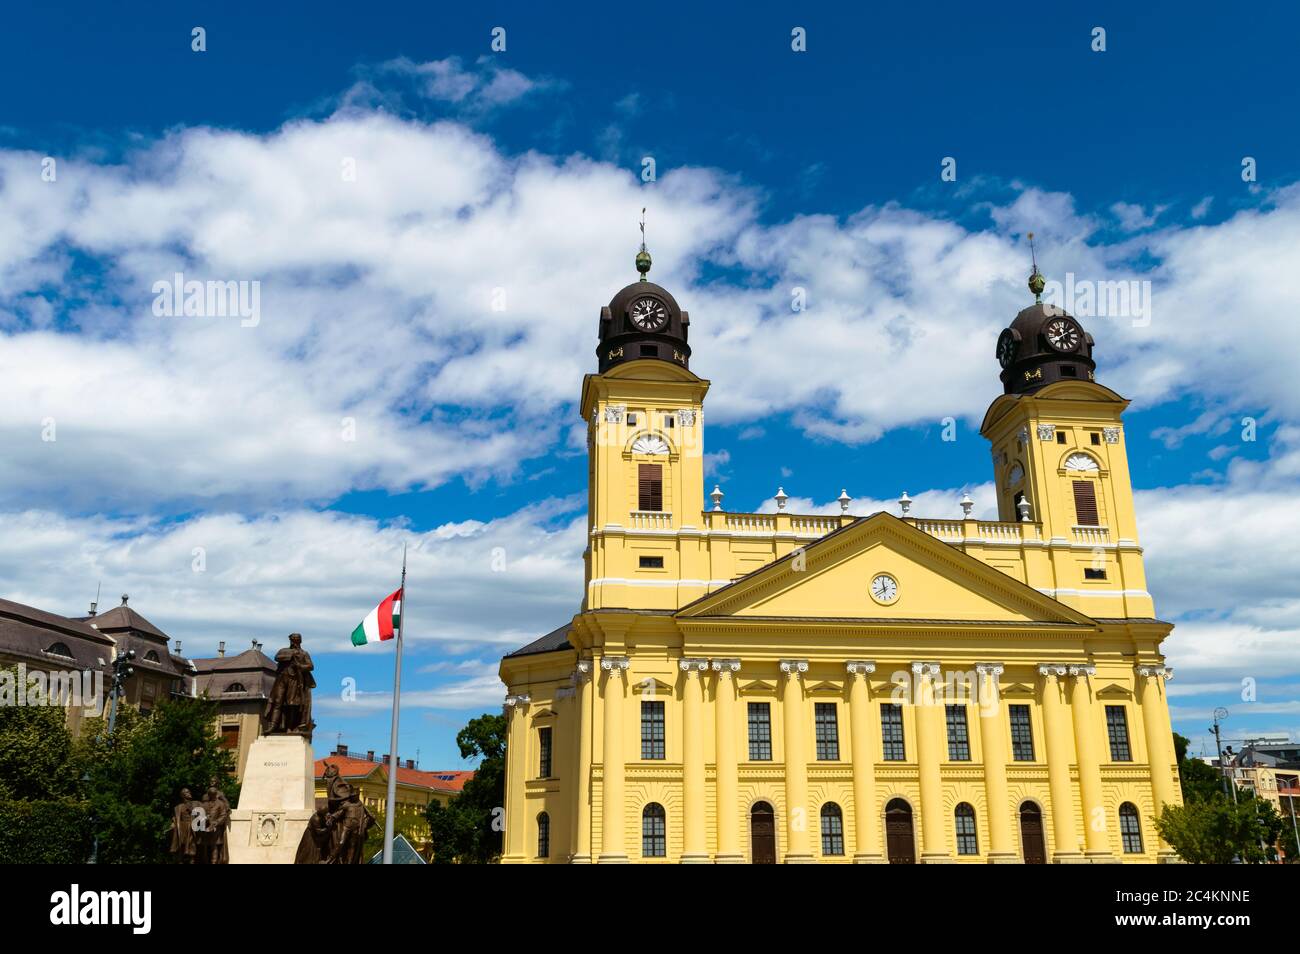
point(832, 819)
point(652, 729)
point(1022, 732)
point(958, 733)
point(760, 731)
point(1117, 734)
point(826, 718)
point(892, 744)
point(654, 831)
point(964, 825)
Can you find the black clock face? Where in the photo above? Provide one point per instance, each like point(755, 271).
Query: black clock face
point(1006, 348)
point(649, 314)
point(1062, 334)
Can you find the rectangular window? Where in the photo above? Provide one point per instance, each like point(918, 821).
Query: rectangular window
point(651, 563)
point(1060, 437)
point(544, 752)
point(828, 732)
point(1095, 438)
point(652, 730)
point(1117, 732)
point(650, 487)
point(760, 732)
point(1092, 574)
point(958, 737)
point(891, 732)
point(1022, 734)
point(1085, 503)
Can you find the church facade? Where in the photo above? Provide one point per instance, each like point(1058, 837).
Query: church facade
point(784, 688)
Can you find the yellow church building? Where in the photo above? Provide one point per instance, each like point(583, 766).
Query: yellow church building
point(744, 687)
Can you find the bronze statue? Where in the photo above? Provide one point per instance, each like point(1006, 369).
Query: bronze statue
point(288, 710)
point(317, 840)
point(213, 849)
point(185, 837)
point(354, 822)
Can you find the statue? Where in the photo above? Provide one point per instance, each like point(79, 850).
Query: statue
point(212, 839)
point(288, 710)
point(354, 821)
point(185, 839)
point(317, 842)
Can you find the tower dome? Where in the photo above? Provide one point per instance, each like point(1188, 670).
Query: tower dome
point(1043, 344)
point(643, 321)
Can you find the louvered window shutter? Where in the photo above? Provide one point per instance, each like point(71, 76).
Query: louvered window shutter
point(650, 487)
point(1085, 503)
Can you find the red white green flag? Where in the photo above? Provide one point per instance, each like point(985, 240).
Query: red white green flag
point(380, 623)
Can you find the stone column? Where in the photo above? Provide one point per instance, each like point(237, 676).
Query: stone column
point(695, 848)
point(727, 784)
point(612, 694)
point(931, 750)
point(1086, 745)
point(582, 783)
point(1056, 723)
point(796, 766)
point(866, 815)
point(1160, 742)
point(517, 757)
point(1002, 846)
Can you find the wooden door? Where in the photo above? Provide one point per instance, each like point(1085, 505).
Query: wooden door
point(900, 843)
point(1031, 834)
point(762, 834)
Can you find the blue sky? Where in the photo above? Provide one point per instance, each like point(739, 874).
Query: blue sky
point(204, 467)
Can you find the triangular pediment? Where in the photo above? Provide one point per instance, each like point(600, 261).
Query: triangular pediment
point(651, 686)
point(832, 579)
point(1114, 691)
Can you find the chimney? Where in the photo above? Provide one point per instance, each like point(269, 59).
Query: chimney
point(177, 650)
point(124, 599)
point(370, 755)
point(94, 607)
point(385, 758)
point(341, 750)
point(221, 648)
point(410, 763)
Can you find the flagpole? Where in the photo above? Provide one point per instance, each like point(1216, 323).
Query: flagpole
point(391, 810)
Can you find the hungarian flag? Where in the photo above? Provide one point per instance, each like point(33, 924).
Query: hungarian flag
point(381, 622)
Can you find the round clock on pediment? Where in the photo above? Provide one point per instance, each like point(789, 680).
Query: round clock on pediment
point(648, 313)
point(884, 589)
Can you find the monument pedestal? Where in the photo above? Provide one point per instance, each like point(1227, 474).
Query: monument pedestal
point(277, 799)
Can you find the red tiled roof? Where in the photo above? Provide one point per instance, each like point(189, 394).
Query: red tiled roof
point(350, 767)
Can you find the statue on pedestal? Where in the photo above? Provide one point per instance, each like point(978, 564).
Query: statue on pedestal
point(185, 838)
point(212, 839)
point(354, 821)
point(317, 841)
point(288, 710)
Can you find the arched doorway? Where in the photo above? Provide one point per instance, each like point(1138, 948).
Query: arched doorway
point(1031, 834)
point(900, 844)
point(762, 834)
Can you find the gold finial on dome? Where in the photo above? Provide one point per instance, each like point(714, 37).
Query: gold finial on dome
point(1036, 281)
point(643, 256)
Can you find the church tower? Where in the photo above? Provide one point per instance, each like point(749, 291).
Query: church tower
point(643, 410)
point(1060, 461)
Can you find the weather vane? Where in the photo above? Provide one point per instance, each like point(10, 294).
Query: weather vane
point(1036, 281)
point(643, 256)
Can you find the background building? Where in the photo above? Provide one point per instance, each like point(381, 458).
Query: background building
point(783, 687)
point(240, 685)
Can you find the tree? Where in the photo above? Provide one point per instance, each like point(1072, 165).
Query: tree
point(467, 830)
point(37, 757)
point(136, 777)
point(1210, 828)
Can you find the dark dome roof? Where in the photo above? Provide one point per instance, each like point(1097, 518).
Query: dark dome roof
point(660, 335)
point(1035, 359)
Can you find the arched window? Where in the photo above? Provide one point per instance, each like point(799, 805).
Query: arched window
point(59, 649)
point(832, 829)
point(151, 656)
point(1130, 829)
point(543, 835)
point(967, 843)
point(654, 831)
point(235, 687)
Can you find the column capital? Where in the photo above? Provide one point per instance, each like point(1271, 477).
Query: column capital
point(518, 701)
point(925, 669)
point(583, 669)
point(1156, 672)
point(1088, 670)
point(793, 667)
point(725, 667)
point(860, 667)
point(990, 669)
point(689, 665)
point(612, 664)
point(1053, 669)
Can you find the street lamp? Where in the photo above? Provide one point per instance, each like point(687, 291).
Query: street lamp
point(122, 671)
point(1220, 714)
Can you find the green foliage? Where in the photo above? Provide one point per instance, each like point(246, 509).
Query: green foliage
point(468, 829)
point(36, 752)
point(1209, 828)
point(54, 832)
point(136, 778)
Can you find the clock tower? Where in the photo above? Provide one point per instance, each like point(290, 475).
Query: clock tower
point(645, 447)
point(1061, 464)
